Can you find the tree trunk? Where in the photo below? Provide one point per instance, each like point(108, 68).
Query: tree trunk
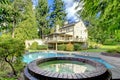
point(13, 34)
point(13, 70)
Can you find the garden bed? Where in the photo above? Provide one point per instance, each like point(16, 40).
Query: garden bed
point(111, 54)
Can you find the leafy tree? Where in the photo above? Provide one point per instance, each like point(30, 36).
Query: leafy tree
point(103, 16)
point(42, 10)
point(58, 14)
point(11, 51)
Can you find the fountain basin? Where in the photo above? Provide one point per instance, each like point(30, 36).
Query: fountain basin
point(36, 70)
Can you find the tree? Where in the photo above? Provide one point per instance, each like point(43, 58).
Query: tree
point(58, 14)
point(5, 8)
point(11, 51)
point(18, 18)
point(27, 28)
point(42, 10)
point(16, 14)
point(10, 14)
point(102, 15)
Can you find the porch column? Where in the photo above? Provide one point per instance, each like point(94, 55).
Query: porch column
point(56, 46)
point(56, 42)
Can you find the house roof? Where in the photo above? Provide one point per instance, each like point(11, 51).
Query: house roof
point(69, 25)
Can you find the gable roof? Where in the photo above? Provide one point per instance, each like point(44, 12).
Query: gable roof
point(69, 25)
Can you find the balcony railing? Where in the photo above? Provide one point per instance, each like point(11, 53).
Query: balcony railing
point(65, 40)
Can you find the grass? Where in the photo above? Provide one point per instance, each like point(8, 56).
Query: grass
point(94, 50)
point(103, 48)
point(109, 46)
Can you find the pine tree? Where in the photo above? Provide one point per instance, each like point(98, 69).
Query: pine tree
point(58, 14)
point(42, 10)
point(27, 28)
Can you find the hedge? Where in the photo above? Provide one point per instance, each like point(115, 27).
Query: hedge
point(62, 47)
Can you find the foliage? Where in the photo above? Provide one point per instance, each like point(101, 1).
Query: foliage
point(27, 28)
point(11, 51)
point(116, 50)
point(103, 18)
point(110, 42)
point(117, 35)
point(58, 14)
point(4, 13)
point(42, 47)
point(102, 48)
point(93, 45)
point(77, 47)
point(97, 34)
point(62, 47)
point(69, 47)
point(42, 10)
point(17, 17)
point(34, 46)
point(11, 14)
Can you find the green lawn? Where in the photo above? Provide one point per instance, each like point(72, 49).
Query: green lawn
point(102, 48)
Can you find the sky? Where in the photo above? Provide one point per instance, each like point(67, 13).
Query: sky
point(70, 6)
point(71, 10)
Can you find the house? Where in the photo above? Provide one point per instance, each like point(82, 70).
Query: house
point(74, 33)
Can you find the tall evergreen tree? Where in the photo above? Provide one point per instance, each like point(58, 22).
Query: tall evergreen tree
point(5, 10)
point(10, 14)
point(27, 28)
point(16, 14)
point(42, 10)
point(58, 13)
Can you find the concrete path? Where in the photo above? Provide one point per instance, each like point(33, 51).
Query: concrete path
point(115, 61)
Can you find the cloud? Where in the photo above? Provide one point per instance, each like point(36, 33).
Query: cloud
point(71, 10)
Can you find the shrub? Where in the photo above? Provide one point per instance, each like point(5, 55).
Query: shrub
point(42, 47)
point(111, 51)
point(93, 45)
point(110, 42)
point(69, 47)
point(77, 47)
point(117, 50)
point(34, 46)
point(61, 47)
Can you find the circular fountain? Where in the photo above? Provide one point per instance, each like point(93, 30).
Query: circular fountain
point(66, 68)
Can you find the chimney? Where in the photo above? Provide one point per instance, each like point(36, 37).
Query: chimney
point(66, 22)
point(57, 29)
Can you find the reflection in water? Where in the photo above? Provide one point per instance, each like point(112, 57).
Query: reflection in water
point(65, 66)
